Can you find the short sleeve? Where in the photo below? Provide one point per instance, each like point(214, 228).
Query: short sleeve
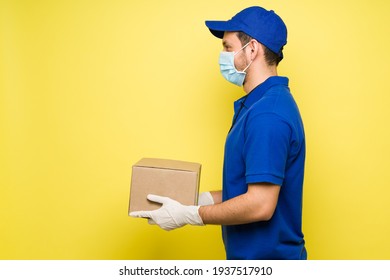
point(266, 149)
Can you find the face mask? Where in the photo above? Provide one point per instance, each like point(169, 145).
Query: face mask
point(229, 71)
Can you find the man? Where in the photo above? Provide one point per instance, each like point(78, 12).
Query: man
point(260, 205)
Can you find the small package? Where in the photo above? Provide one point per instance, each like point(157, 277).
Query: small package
point(175, 179)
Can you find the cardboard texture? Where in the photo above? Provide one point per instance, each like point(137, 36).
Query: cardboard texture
point(175, 179)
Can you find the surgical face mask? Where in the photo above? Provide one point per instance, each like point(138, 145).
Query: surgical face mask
point(229, 71)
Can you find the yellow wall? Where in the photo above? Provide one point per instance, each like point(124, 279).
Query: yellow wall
point(87, 88)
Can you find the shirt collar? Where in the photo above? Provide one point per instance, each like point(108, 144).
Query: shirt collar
point(258, 92)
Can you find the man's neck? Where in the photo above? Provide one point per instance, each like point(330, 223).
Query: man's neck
point(254, 79)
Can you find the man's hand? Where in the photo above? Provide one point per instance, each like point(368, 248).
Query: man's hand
point(171, 214)
point(205, 198)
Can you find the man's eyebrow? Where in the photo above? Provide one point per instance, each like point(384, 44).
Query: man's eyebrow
point(225, 44)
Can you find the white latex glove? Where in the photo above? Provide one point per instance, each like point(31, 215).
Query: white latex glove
point(171, 214)
point(205, 198)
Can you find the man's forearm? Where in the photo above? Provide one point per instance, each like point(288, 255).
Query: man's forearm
point(217, 196)
point(257, 204)
point(230, 212)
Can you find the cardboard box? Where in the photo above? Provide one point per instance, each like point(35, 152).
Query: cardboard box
point(175, 179)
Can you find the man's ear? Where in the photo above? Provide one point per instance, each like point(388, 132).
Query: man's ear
point(255, 49)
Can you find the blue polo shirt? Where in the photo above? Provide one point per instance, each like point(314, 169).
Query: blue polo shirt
point(266, 144)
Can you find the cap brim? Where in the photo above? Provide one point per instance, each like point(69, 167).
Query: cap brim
point(218, 28)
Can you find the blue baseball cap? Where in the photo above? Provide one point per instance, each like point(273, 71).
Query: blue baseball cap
point(264, 26)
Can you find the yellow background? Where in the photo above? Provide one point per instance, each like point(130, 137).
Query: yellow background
point(87, 88)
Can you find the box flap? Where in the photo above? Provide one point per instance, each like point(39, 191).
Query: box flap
point(169, 164)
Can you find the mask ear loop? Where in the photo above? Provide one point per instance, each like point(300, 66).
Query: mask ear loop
point(251, 59)
point(243, 71)
point(242, 48)
point(247, 66)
